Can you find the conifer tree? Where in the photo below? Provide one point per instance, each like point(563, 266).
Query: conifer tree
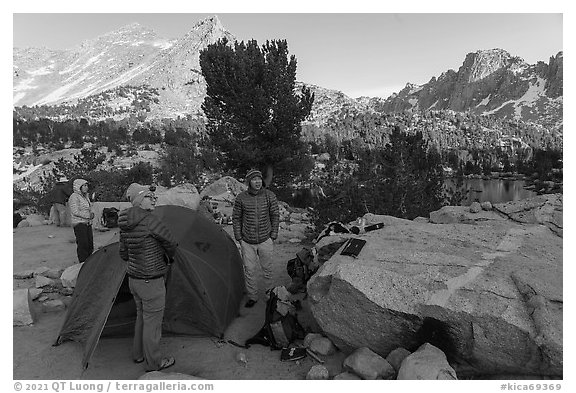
point(253, 112)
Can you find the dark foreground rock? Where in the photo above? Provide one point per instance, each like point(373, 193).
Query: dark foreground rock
point(487, 292)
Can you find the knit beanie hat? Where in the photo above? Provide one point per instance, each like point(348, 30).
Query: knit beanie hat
point(138, 198)
point(136, 193)
point(252, 173)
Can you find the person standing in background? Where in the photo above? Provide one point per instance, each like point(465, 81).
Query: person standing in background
point(61, 194)
point(82, 216)
point(256, 219)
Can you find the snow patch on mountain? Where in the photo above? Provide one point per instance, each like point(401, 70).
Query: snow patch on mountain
point(41, 71)
point(25, 84)
point(534, 92)
point(500, 107)
point(18, 97)
point(124, 78)
point(60, 92)
point(485, 101)
point(163, 45)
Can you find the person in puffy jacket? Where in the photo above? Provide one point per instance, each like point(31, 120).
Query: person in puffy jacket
point(81, 218)
point(149, 247)
point(255, 219)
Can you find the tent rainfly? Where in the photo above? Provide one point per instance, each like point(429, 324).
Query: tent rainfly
point(204, 287)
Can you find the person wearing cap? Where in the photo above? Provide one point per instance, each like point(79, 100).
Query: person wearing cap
point(255, 219)
point(81, 217)
point(148, 247)
point(62, 192)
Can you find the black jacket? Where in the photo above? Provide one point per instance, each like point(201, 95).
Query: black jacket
point(62, 192)
point(144, 243)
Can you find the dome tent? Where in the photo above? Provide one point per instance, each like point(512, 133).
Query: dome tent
point(203, 288)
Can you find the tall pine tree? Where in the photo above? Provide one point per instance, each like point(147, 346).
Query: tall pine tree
point(253, 112)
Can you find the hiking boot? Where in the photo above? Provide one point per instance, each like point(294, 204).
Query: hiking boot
point(166, 362)
point(250, 303)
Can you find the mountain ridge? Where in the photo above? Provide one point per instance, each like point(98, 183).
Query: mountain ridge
point(489, 82)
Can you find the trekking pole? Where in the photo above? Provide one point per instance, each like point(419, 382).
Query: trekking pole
point(314, 356)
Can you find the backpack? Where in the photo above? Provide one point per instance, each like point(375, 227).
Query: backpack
point(109, 217)
point(306, 264)
point(281, 326)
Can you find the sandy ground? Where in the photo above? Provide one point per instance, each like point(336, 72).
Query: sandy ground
point(34, 357)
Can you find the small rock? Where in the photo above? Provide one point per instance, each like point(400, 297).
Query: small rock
point(322, 346)
point(66, 291)
point(241, 358)
point(310, 337)
point(159, 375)
point(53, 305)
point(43, 298)
point(41, 271)
point(369, 365)
point(295, 240)
point(34, 293)
point(318, 372)
point(475, 207)
point(396, 357)
point(347, 376)
point(42, 281)
point(487, 205)
point(428, 363)
point(24, 275)
point(70, 274)
point(53, 273)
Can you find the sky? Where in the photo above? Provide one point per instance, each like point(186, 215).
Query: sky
point(360, 54)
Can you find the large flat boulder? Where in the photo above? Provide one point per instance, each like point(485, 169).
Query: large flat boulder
point(182, 195)
point(224, 187)
point(489, 295)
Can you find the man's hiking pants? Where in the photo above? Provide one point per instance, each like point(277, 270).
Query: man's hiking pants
point(150, 299)
point(254, 255)
point(59, 214)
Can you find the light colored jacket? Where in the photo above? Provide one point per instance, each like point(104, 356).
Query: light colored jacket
point(80, 205)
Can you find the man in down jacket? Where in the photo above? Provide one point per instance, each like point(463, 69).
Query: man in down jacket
point(255, 219)
point(149, 247)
